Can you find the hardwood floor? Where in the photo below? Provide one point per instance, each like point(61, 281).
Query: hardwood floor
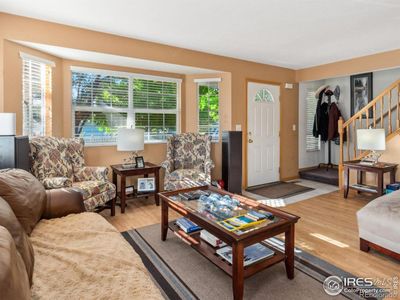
point(327, 229)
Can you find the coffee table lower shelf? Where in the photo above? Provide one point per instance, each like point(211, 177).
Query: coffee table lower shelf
point(209, 252)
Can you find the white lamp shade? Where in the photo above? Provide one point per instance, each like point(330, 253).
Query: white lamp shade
point(130, 139)
point(371, 139)
point(7, 124)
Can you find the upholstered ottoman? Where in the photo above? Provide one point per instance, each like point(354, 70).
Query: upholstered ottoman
point(379, 225)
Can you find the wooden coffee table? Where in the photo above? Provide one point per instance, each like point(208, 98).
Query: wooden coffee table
point(194, 211)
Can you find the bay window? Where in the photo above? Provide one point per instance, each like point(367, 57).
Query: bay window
point(104, 101)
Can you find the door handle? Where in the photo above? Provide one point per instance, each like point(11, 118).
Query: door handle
point(250, 141)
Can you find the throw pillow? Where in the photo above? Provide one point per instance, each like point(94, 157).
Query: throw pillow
point(25, 194)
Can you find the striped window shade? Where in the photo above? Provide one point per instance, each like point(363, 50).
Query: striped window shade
point(36, 96)
point(312, 143)
point(104, 101)
point(100, 106)
point(156, 107)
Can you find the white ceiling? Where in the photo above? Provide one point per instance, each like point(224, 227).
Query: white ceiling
point(291, 33)
point(115, 60)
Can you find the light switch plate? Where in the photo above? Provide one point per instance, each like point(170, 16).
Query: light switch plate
point(238, 127)
point(288, 86)
point(294, 127)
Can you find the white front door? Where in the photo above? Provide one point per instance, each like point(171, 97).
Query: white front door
point(263, 126)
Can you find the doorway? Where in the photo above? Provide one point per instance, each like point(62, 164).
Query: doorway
point(263, 125)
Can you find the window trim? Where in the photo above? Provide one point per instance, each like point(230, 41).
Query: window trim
point(317, 141)
point(28, 56)
point(208, 80)
point(130, 110)
point(46, 115)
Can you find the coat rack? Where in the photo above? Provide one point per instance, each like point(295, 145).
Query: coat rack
point(329, 94)
point(324, 90)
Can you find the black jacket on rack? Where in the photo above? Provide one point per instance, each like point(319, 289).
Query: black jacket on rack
point(317, 117)
point(324, 122)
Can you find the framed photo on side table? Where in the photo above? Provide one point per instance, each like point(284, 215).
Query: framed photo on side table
point(361, 92)
point(139, 162)
point(146, 184)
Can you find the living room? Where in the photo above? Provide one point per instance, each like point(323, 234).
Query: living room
point(113, 106)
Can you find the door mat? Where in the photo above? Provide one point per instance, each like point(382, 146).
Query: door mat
point(279, 189)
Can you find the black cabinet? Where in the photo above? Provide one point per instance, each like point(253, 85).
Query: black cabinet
point(14, 152)
point(232, 161)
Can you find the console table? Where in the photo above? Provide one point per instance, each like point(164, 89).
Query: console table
point(379, 169)
point(149, 168)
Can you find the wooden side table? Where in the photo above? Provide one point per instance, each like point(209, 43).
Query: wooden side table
point(148, 169)
point(379, 169)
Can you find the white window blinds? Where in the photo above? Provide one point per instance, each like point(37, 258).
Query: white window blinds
point(208, 107)
point(36, 97)
point(155, 107)
point(104, 102)
point(312, 143)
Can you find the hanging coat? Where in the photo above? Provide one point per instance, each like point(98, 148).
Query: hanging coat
point(316, 126)
point(324, 122)
point(333, 131)
point(334, 115)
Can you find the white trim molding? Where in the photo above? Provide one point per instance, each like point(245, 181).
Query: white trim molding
point(124, 74)
point(202, 80)
point(27, 56)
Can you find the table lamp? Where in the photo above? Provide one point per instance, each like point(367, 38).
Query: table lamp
point(7, 124)
point(372, 140)
point(132, 140)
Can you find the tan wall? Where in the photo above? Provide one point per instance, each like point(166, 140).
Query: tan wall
point(13, 85)
point(1, 73)
point(20, 28)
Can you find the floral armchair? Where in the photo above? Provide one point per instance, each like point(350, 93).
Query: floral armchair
point(188, 161)
point(59, 163)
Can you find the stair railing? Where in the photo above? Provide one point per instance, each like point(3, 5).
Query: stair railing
point(382, 112)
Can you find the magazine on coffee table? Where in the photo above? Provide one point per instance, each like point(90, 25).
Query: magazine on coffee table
point(252, 253)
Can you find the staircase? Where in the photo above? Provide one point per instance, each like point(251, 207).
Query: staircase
point(382, 112)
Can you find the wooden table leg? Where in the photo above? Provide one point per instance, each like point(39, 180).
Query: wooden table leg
point(380, 183)
point(359, 178)
point(289, 252)
point(164, 220)
point(113, 201)
point(237, 271)
point(346, 181)
point(146, 176)
point(156, 197)
point(123, 193)
point(393, 175)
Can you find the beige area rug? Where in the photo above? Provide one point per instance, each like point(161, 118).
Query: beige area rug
point(185, 274)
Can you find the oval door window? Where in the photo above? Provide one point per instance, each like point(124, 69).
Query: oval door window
point(264, 95)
